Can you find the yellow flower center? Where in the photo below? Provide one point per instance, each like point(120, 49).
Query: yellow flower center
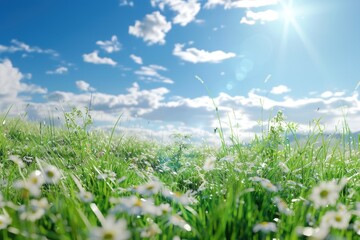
point(108, 236)
point(50, 174)
point(324, 193)
point(338, 218)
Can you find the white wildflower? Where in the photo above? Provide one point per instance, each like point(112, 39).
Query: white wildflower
point(356, 227)
point(164, 208)
point(111, 229)
point(17, 160)
point(107, 174)
point(180, 222)
point(36, 178)
point(256, 179)
point(5, 221)
point(136, 206)
point(357, 209)
point(209, 164)
point(320, 233)
point(184, 199)
point(336, 219)
point(35, 210)
point(283, 167)
point(150, 188)
point(151, 231)
point(282, 206)
point(326, 193)
point(51, 174)
point(27, 188)
point(265, 227)
point(42, 203)
point(265, 183)
point(85, 196)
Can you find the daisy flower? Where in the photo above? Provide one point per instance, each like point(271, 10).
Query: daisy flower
point(356, 227)
point(282, 206)
point(17, 160)
point(136, 206)
point(150, 231)
point(336, 219)
point(265, 227)
point(36, 178)
point(283, 167)
point(51, 174)
point(326, 193)
point(111, 229)
point(27, 188)
point(150, 188)
point(35, 210)
point(209, 164)
point(180, 222)
point(265, 183)
point(85, 196)
point(184, 199)
point(5, 221)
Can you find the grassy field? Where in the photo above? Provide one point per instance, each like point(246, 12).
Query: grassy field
point(71, 183)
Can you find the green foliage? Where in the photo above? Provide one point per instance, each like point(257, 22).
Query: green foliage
point(229, 197)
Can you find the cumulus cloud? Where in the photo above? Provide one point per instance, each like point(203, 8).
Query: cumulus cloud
point(328, 94)
point(133, 102)
point(281, 89)
point(152, 29)
point(151, 74)
point(126, 3)
point(110, 46)
point(136, 59)
point(186, 9)
point(11, 83)
point(59, 70)
point(228, 4)
point(94, 58)
point(84, 86)
point(18, 46)
point(265, 16)
point(196, 115)
point(195, 55)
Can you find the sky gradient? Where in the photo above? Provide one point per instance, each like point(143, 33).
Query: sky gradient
point(140, 58)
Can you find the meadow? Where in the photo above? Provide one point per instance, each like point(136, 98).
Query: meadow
point(76, 183)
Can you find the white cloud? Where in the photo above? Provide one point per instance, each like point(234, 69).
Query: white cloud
point(265, 16)
point(281, 89)
point(11, 84)
point(151, 74)
point(158, 116)
point(195, 55)
point(110, 46)
point(126, 3)
point(186, 9)
point(59, 70)
point(152, 29)
point(136, 59)
point(228, 4)
point(18, 46)
point(84, 86)
point(329, 94)
point(94, 58)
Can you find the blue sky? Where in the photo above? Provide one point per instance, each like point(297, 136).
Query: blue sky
point(140, 58)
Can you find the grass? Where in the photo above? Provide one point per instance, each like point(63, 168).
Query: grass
point(262, 190)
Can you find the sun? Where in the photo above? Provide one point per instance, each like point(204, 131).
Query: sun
point(288, 12)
